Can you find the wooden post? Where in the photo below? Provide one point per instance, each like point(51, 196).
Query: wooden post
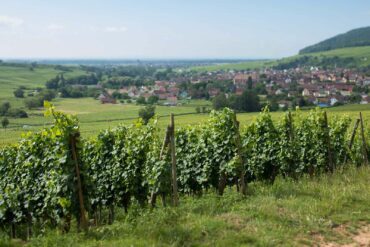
point(354, 133)
point(352, 138)
point(29, 226)
point(83, 221)
point(291, 128)
point(243, 187)
point(13, 231)
point(175, 196)
point(166, 141)
point(222, 183)
point(364, 145)
point(328, 143)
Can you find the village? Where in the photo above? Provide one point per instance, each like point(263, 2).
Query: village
point(315, 86)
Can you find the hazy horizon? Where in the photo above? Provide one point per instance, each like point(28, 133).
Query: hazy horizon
point(173, 30)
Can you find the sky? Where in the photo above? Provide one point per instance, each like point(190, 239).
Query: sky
point(172, 29)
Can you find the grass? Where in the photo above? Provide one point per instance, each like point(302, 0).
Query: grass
point(287, 213)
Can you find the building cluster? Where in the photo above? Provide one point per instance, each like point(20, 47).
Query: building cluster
point(317, 86)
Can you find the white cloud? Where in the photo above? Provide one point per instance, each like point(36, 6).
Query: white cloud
point(10, 21)
point(55, 27)
point(115, 29)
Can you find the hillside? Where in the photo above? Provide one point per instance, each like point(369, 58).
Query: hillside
point(351, 57)
point(13, 76)
point(353, 38)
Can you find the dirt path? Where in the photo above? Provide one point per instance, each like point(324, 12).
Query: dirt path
point(361, 239)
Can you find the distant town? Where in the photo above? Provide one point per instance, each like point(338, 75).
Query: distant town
point(286, 88)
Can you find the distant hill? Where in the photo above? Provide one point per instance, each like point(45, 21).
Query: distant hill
point(353, 38)
point(351, 57)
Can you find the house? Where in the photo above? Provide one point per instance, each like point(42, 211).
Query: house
point(284, 104)
point(214, 92)
point(365, 99)
point(171, 101)
point(239, 91)
point(322, 102)
point(241, 79)
point(106, 99)
point(306, 92)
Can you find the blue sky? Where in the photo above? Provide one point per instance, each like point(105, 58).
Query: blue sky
point(172, 28)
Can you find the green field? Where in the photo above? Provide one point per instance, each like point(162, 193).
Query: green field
point(95, 116)
point(331, 209)
point(236, 66)
point(361, 56)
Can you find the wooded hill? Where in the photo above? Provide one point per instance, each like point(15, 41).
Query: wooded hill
point(353, 38)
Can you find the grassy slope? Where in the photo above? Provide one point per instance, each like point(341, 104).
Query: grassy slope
point(361, 55)
point(12, 77)
point(288, 213)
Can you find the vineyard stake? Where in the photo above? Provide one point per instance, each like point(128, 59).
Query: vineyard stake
point(364, 146)
point(291, 129)
point(330, 154)
point(175, 195)
point(352, 138)
point(243, 187)
point(83, 221)
point(166, 140)
point(12, 231)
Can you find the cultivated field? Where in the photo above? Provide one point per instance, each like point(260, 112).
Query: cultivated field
point(95, 116)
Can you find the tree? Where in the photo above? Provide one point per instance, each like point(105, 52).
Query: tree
point(250, 82)
point(147, 113)
point(152, 99)
point(4, 108)
point(19, 93)
point(219, 102)
point(274, 106)
point(5, 122)
point(31, 103)
point(248, 102)
point(141, 101)
point(197, 109)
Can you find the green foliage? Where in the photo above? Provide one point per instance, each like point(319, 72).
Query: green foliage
point(19, 93)
point(147, 113)
point(219, 102)
point(205, 152)
point(5, 122)
point(118, 163)
point(38, 181)
point(122, 166)
point(4, 108)
point(261, 142)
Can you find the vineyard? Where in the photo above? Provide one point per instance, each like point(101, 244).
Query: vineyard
point(53, 176)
